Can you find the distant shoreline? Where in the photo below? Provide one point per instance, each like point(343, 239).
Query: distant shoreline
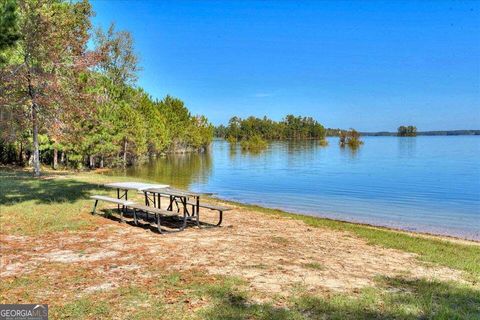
point(427, 133)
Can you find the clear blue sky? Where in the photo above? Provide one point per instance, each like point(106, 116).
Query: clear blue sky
point(368, 65)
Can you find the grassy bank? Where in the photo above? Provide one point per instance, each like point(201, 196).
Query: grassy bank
point(51, 210)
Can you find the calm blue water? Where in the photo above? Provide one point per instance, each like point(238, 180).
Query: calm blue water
point(428, 184)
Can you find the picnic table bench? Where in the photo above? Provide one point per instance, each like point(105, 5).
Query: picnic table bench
point(220, 209)
point(158, 213)
point(119, 202)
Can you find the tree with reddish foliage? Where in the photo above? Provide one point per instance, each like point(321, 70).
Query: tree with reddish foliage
point(350, 138)
point(44, 81)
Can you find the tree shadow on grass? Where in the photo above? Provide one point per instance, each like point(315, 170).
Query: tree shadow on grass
point(393, 298)
point(146, 221)
point(17, 187)
point(398, 298)
point(230, 303)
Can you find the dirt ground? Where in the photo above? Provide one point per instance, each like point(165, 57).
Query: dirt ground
point(273, 254)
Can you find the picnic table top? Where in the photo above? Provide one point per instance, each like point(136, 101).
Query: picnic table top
point(140, 186)
point(173, 192)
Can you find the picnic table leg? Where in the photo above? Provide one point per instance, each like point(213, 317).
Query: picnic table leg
point(186, 213)
point(198, 206)
point(220, 219)
point(193, 209)
point(190, 214)
point(121, 214)
point(94, 207)
point(124, 208)
point(184, 219)
point(196, 211)
point(159, 223)
point(176, 202)
point(118, 197)
point(158, 201)
point(147, 203)
point(197, 216)
point(135, 220)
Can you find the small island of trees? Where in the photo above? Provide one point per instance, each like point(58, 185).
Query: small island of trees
point(253, 132)
point(350, 138)
point(407, 131)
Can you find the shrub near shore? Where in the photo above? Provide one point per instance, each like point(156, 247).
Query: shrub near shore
point(350, 138)
point(255, 143)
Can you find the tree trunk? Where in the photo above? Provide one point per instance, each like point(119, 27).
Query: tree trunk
point(36, 150)
point(55, 158)
point(101, 161)
point(62, 158)
point(20, 154)
point(125, 144)
point(91, 160)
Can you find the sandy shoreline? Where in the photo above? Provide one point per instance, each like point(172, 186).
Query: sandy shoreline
point(474, 240)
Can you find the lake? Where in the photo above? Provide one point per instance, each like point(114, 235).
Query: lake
point(427, 184)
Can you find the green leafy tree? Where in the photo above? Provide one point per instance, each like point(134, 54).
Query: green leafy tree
point(119, 67)
point(184, 130)
point(9, 33)
point(254, 143)
point(43, 83)
point(407, 131)
point(119, 63)
point(291, 127)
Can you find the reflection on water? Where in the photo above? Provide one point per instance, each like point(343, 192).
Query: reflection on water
point(233, 147)
point(180, 170)
point(423, 183)
point(298, 148)
point(350, 152)
point(407, 146)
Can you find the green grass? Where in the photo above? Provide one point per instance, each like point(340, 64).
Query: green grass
point(314, 266)
point(465, 257)
point(175, 295)
point(84, 308)
point(35, 206)
point(396, 298)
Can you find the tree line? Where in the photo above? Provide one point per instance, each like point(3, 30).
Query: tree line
point(291, 127)
point(63, 103)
